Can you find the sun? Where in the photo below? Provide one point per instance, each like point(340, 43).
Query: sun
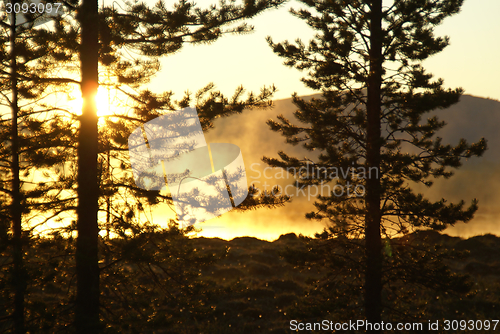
point(104, 101)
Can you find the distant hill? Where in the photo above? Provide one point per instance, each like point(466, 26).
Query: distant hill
point(472, 118)
point(255, 259)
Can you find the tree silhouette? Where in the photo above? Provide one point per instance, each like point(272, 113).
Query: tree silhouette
point(17, 256)
point(102, 38)
point(155, 32)
point(87, 265)
point(31, 143)
point(366, 61)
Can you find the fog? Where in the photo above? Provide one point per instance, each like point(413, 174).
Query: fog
point(472, 118)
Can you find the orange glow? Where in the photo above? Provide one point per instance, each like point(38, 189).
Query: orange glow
point(103, 99)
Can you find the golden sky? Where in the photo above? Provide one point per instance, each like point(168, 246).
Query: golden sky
point(471, 61)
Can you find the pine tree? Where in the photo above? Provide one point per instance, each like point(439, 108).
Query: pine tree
point(366, 60)
point(87, 266)
point(155, 32)
point(59, 43)
point(17, 254)
point(30, 144)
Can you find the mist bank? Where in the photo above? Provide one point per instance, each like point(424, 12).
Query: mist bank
point(471, 119)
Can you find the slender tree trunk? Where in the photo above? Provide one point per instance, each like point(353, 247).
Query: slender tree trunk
point(87, 268)
point(373, 274)
point(19, 276)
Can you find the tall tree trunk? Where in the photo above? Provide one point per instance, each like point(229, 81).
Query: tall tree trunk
point(87, 268)
point(19, 275)
point(373, 274)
